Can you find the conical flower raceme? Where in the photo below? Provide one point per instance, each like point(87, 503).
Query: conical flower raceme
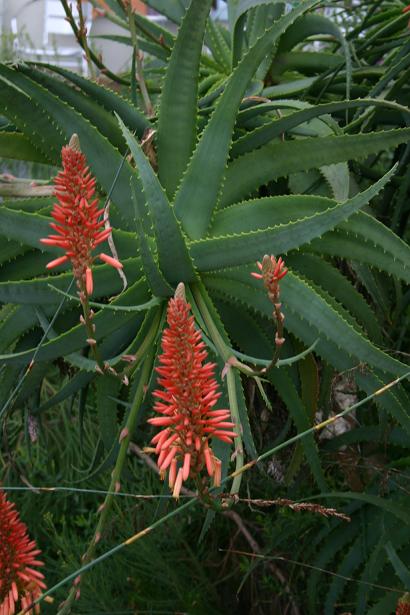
point(79, 224)
point(186, 402)
point(20, 582)
point(271, 272)
point(403, 605)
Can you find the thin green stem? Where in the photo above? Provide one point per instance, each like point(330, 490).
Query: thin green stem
point(90, 328)
point(115, 485)
point(233, 404)
point(95, 59)
point(82, 33)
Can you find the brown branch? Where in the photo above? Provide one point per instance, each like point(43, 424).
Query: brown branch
point(298, 506)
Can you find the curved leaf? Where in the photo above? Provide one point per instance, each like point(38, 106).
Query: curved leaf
point(246, 173)
point(176, 128)
point(200, 187)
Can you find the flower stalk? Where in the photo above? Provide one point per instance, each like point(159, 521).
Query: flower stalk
point(115, 483)
point(271, 272)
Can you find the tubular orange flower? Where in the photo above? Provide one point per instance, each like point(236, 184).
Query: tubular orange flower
point(186, 402)
point(78, 221)
point(19, 579)
point(403, 605)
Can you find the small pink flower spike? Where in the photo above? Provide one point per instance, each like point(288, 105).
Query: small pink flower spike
point(272, 271)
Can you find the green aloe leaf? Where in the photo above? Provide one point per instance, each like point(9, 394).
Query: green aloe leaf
point(73, 339)
point(59, 123)
point(38, 291)
point(328, 277)
point(169, 237)
point(283, 383)
point(112, 101)
point(230, 250)
point(176, 128)
point(267, 132)
point(200, 187)
point(311, 25)
point(246, 173)
point(16, 145)
point(308, 316)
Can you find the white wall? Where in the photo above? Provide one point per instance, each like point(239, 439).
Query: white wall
point(29, 15)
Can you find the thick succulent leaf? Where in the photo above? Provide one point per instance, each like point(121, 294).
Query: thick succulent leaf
point(112, 101)
point(218, 46)
point(310, 25)
point(301, 304)
point(169, 237)
point(361, 237)
point(284, 385)
point(60, 122)
point(31, 204)
point(38, 292)
point(198, 193)
point(17, 146)
point(230, 250)
point(239, 26)
point(265, 133)
point(73, 340)
point(14, 321)
point(157, 283)
point(173, 9)
point(17, 106)
point(176, 127)
point(88, 107)
point(363, 249)
point(246, 173)
point(333, 281)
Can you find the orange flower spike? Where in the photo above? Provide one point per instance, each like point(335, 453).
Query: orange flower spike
point(78, 221)
point(403, 605)
point(185, 402)
point(20, 581)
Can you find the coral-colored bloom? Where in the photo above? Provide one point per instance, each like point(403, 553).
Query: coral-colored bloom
point(186, 402)
point(272, 271)
point(406, 9)
point(403, 605)
point(78, 222)
point(19, 579)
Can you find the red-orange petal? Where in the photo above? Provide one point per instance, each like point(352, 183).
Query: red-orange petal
point(57, 261)
point(110, 261)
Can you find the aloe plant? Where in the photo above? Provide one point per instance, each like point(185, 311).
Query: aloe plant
point(227, 176)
